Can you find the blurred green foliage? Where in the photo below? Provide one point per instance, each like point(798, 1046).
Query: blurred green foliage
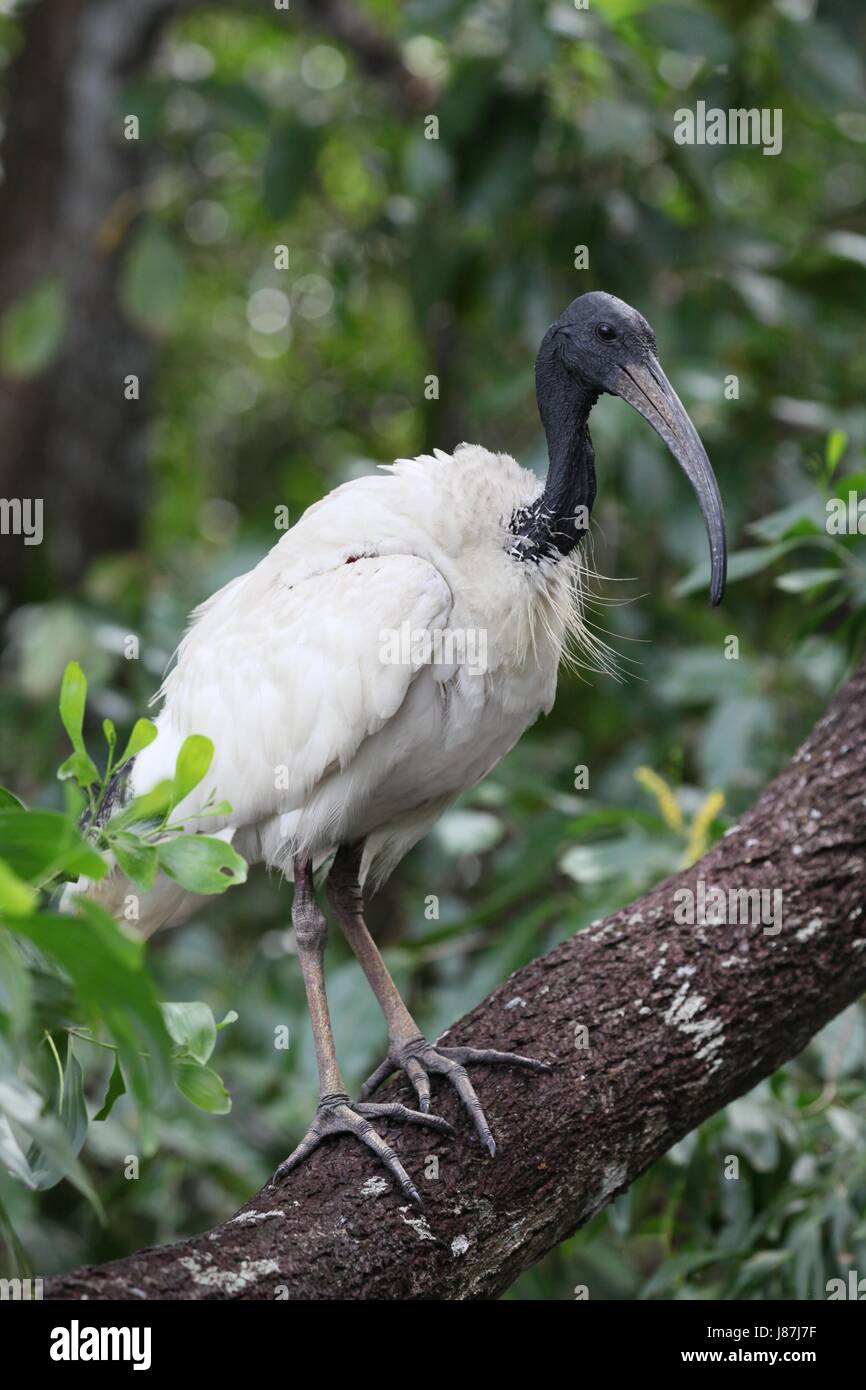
point(411, 257)
point(82, 974)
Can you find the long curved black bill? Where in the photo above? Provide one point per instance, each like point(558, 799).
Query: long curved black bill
point(645, 386)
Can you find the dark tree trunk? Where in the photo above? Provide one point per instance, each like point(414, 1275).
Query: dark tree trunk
point(70, 192)
point(680, 1020)
point(71, 189)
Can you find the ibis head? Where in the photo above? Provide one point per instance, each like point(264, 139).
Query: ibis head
point(600, 344)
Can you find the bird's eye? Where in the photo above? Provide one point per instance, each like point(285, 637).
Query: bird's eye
point(606, 332)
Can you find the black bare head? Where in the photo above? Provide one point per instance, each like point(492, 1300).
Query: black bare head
point(600, 344)
point(594, 336)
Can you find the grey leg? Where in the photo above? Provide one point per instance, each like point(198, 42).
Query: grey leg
point(336, 1114)
point(311, 935)
point(408, 1049)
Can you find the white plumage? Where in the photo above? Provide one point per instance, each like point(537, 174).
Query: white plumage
point(319, 738)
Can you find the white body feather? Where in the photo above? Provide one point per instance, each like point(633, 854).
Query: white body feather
point(318, 740)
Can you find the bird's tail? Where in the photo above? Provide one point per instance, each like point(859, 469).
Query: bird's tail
point(166, 904)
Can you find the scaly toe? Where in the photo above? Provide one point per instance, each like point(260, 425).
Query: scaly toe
point(392, 1110)
point(418, 1058)
point(336, 1114)
point(488, 1056)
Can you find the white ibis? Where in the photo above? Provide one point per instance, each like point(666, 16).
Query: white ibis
point(334, 739)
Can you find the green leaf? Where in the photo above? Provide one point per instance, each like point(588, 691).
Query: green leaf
point(192, 1027)
point(81, 768)
point(16, 896)
point(202, 863)
point(106, 968)
point(9, 802)
point(805, 517)
point(741, 564)
point(74, 801)
point(16, 991)
point(762, 1263)
point(799, 581)
point(744, 563)
point(12, 1155)
point(136, 857)
point(54, 1156)
point(193, 761)
point(17, 1264)
point(39, 844)
point(73, 697)
point(73, 1111)
point(143, 733)
point(116, 1089)
point(110, 734)
point(33, 327)
point(203, 1087)
point(151, 807)
point(231, 1017)
point(678, 1267)
point(856, 482)
point(837, 443)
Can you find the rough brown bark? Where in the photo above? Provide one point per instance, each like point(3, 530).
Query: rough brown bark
point(681, 1019)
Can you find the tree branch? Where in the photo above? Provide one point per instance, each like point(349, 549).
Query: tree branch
point(680, 1020)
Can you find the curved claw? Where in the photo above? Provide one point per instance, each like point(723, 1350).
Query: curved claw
point(418, 1059)
point(459, 1079)
point(338, 1115)
point(309, 1142)
point(374, 1081)
point(368, 1135)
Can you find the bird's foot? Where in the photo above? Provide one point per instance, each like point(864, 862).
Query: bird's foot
point(336, 1114)
point(419, 1059)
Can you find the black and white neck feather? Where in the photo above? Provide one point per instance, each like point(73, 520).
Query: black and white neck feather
point(551, 526)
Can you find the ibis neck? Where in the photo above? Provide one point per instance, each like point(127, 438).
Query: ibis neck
point(552, 526)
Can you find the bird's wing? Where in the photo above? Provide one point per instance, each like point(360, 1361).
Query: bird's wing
point(289, 679)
